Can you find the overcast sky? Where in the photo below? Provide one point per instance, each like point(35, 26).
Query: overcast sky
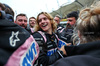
point(33, 7)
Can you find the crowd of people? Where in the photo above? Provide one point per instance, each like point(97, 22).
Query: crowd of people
point(47, 43)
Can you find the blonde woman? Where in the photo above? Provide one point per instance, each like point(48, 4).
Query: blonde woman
point(88, 52)
point(46, 38)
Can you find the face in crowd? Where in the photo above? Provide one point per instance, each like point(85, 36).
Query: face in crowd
point(32, 22)
point(21, 20)
point(57, 19)
point(45, 22)
point(71, 21)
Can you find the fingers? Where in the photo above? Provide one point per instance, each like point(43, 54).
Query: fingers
point(62, 49)
point(68, 44)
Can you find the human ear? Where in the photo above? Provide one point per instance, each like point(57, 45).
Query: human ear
point(79, 34)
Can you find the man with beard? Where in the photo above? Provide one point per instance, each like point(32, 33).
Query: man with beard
point(66, 33)
point(21, 20)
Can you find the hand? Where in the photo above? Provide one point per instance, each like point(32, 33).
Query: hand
point(43, 60)
point(63, 49)
point(68, 44)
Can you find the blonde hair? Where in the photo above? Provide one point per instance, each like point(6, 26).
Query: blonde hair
point(88, 23)
point(53, 23)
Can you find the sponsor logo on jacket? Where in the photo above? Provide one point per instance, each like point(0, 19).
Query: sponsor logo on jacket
point(30, 55)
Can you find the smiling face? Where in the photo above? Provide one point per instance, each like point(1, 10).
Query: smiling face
point(45, 23)
point(22, 21)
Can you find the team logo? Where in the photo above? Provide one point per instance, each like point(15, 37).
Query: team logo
point(14, 38)
point(61, 43)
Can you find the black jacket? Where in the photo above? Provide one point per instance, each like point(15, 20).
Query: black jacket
point(15, 43)
point(48, 50)
point(65, 34)
point(82, 55)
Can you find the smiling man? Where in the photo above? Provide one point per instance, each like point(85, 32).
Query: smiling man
point(21, 20)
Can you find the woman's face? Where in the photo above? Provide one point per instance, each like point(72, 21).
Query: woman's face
point(45, 23)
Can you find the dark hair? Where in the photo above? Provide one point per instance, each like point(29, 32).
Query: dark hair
point(31, 18)
point(21, 14)
point(6, 12)
point(73, 14)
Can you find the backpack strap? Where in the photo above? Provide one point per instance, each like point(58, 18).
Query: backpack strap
point(57, 37)
point(62, 30)
point(59, 28)
point(60, 42)
point(43, 35)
